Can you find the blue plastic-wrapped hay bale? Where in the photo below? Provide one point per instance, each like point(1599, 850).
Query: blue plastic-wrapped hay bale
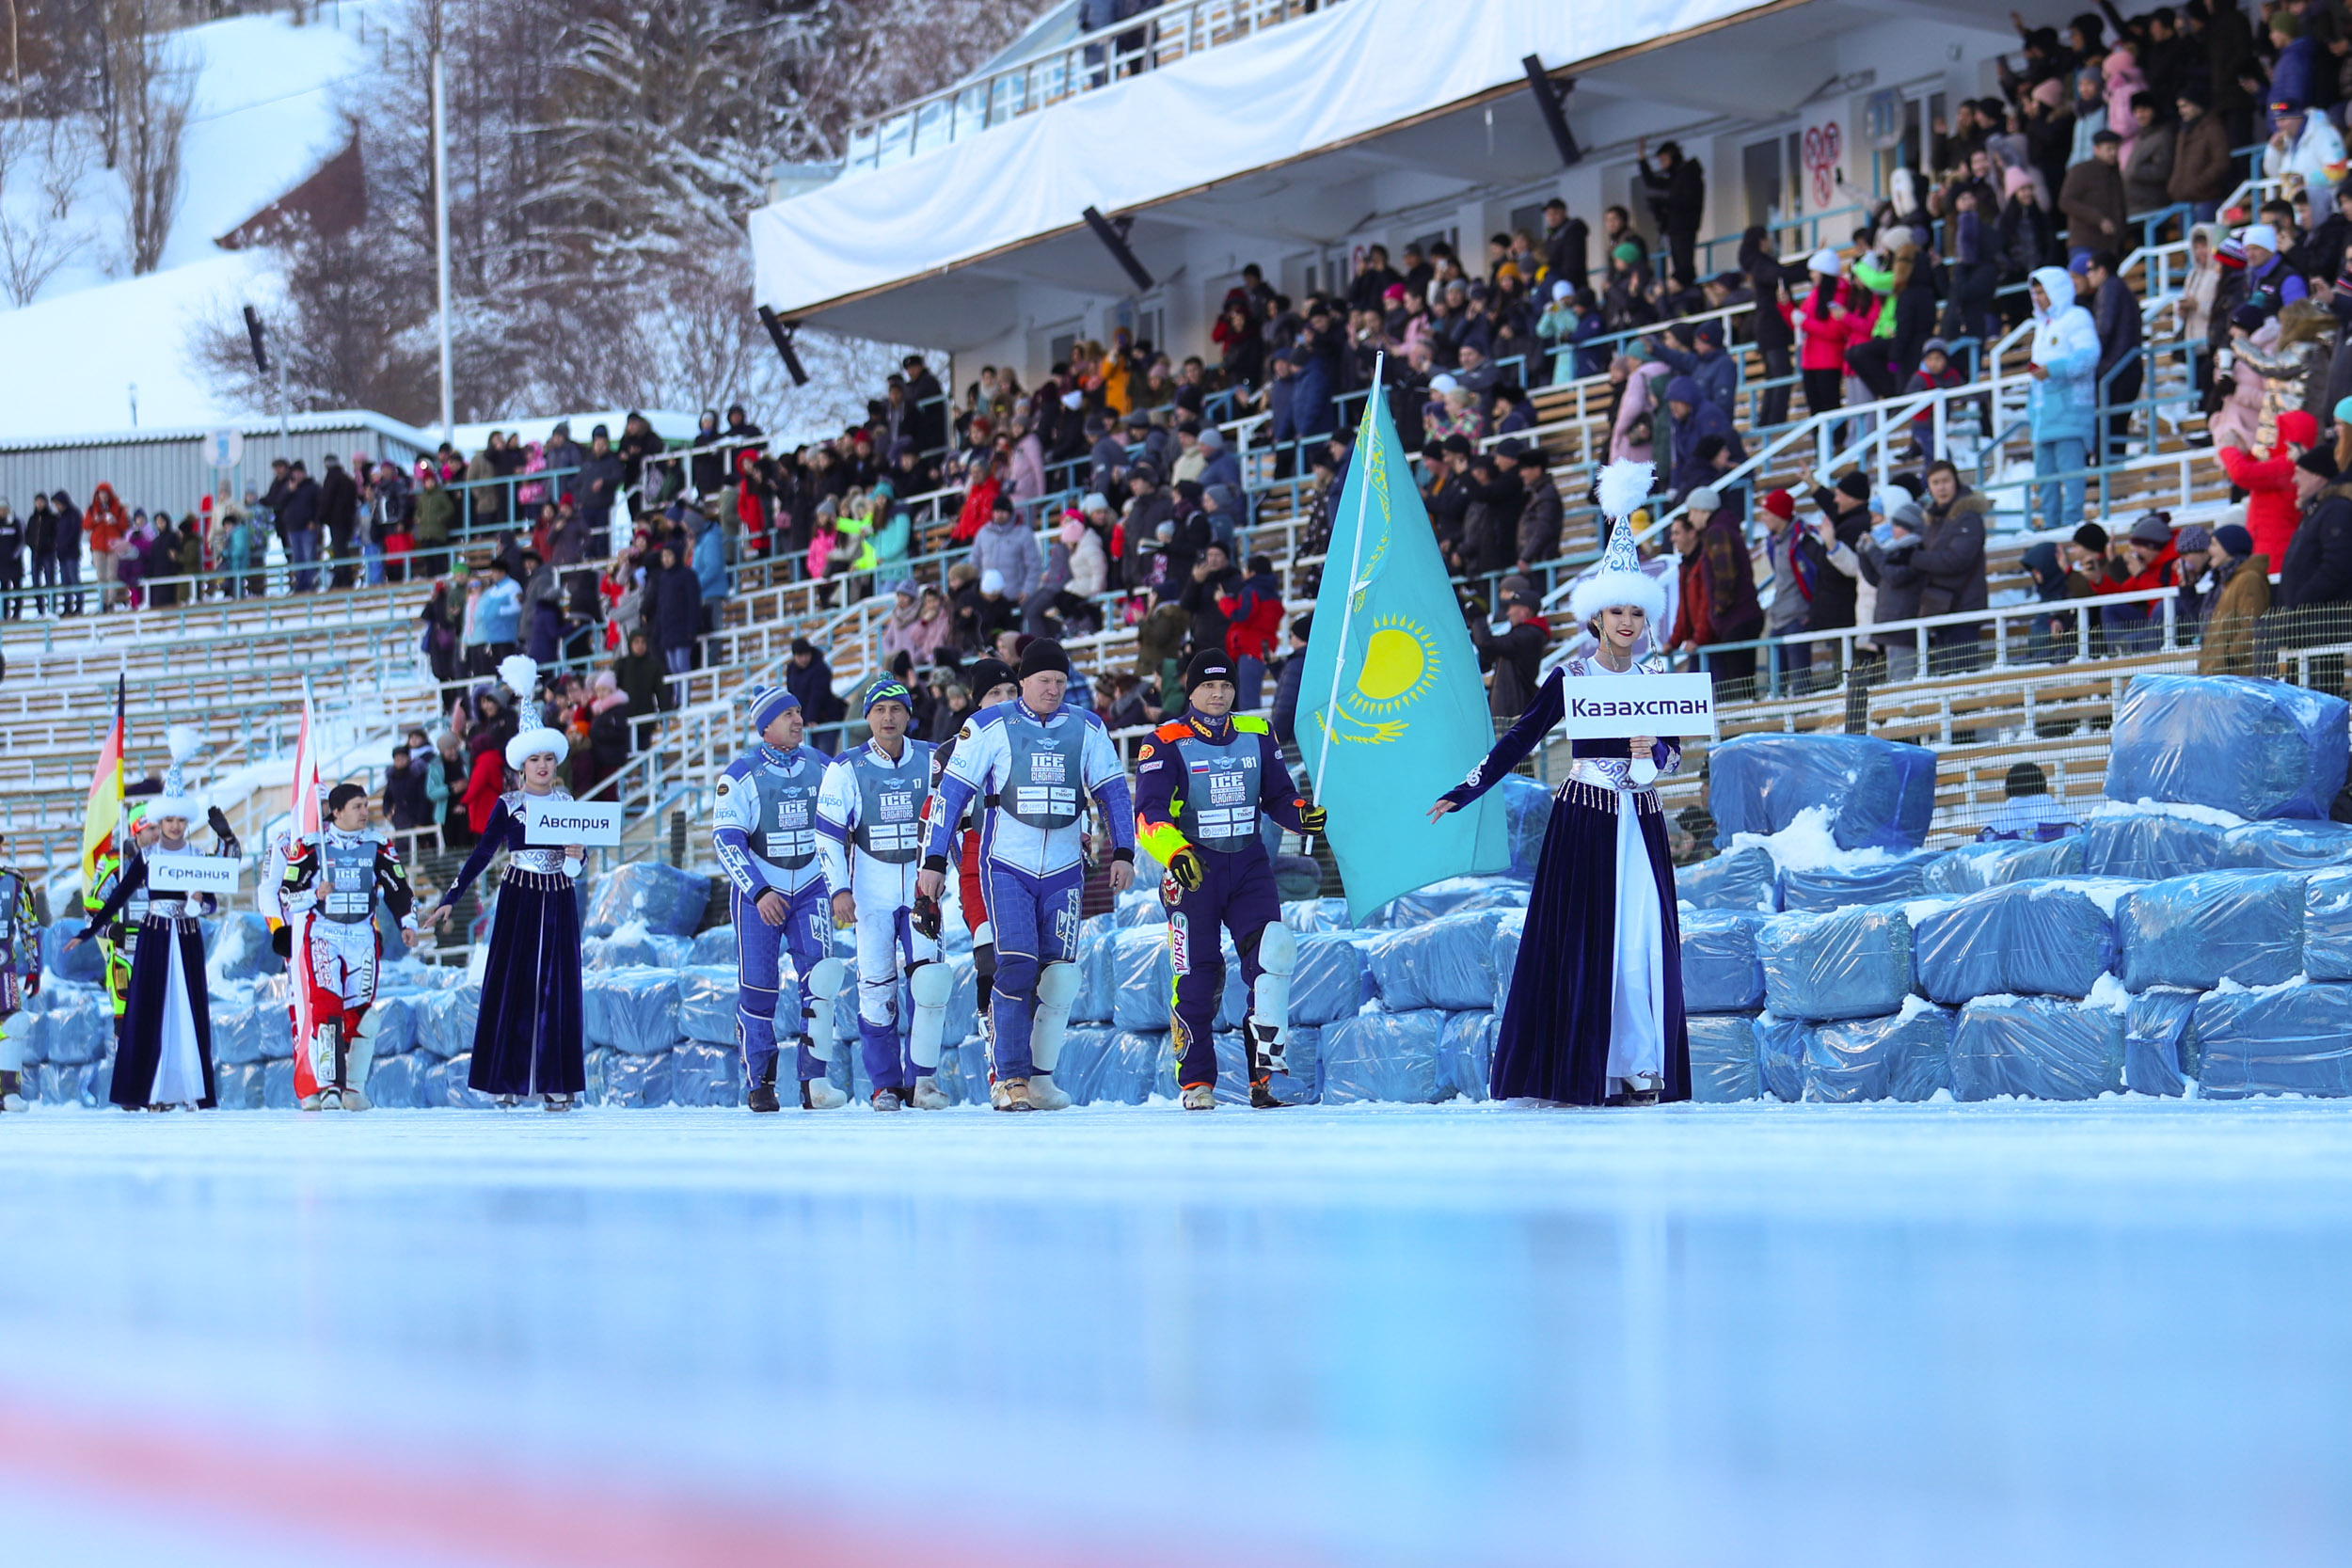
point(272, 1029)
point(2037, 1046)
point(85, 963)
point(2160, 1041)
point(1851, 964)
point(2328, 925)
point(2198, 931)
point(391, 1083)
point(2281, 1039)
point(2048, 939)
point(237, 1085)
point(2284, 745)
point(2286, 847)
point(634, 947)
point(1142, 980)
point(235, 1041)
point(1382, 1055)
point(1874, 1058)
point(1508, 930)
point(1724, 1065)
point(1303, 915)
point(706, 1075)
point(77, 1028)
point(667, 900)
point(396, 1024)
point(963, 999)
point(1744, 879)
point(1329, 980)
point(1095, 987)
point(1466, 1055)
point(705, 1004)
point(1132, 1067)
point(634, 1010)
point(1889, 881)
point(1879, 794)
point(242, 951)
point(278, 1085)
point(1447, 963)
point(1780, 1055)
point(1996, 863)
point(1719, 971)
point(1078, 1073)
point(446, 1020)
point(2148, 846)
point(714, 947)
point(637, 1082)
point(1527, 813)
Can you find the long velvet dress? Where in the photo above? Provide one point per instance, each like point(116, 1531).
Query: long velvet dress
point(165, 1055)
point(527, 1039)
point(1584, 1006)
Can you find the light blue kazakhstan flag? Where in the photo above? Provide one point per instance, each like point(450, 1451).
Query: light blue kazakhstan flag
point(1391, 711)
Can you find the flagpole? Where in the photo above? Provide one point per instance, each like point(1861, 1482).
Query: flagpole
point(1355, 562)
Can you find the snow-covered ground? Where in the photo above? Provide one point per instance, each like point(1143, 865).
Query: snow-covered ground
point(1916, 1334)
point(271, 103)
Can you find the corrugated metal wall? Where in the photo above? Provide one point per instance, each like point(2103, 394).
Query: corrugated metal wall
point(169, 471)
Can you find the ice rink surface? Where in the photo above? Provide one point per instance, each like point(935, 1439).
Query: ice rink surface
point(1708, 1335)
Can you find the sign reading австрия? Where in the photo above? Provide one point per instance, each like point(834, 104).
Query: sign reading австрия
point(1677, 706)
point(552, 823)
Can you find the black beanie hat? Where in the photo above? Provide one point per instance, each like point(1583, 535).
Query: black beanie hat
point(1209, 664)
point(985, 676)
point(1856, 486)
point(1041, 656)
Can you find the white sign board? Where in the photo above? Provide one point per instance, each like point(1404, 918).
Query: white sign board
point(553, 823)
point(190, 872)
point(1822, 155)
point(1668, 706)
point(224, 447)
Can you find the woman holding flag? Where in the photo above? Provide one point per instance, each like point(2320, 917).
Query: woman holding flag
point(1594, 1015)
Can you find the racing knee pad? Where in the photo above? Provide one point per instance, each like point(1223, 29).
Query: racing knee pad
point(932, 984)
point(1056, 991)
point(825, 980)
point(1278, 957)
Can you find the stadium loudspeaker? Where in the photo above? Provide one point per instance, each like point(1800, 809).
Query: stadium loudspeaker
point(253, 335)
point(1114, 238)
point(781, 336)
point(1551, 102)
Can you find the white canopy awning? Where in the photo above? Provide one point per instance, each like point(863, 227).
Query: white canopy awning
point(1310, 86)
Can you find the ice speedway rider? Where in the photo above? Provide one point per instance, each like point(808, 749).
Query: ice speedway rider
point(1201, 783)
point(337, 876)
point(870, 823)
point(1032, 764)
point(764, 827)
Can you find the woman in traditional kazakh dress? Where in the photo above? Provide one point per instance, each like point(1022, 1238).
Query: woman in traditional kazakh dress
point(1594, 1015)
point(527, 1039)
point(165, 1055)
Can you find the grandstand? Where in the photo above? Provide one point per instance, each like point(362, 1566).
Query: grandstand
point(1457, 152)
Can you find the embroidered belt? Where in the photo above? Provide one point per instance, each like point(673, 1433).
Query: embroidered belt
point(1577, 792)
point(545, 880)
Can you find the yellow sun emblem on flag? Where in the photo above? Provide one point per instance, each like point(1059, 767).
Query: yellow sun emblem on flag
point(1400, 665)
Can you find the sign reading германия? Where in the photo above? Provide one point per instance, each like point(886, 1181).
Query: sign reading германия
point(553, 823)
point(1680, 707)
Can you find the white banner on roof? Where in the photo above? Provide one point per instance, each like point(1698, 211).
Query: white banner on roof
point(1305, 86)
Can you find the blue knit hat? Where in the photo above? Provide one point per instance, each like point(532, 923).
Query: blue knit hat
point(889, 692)
point(768, 704)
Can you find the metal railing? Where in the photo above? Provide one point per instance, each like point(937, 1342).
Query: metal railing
point(1158, 37)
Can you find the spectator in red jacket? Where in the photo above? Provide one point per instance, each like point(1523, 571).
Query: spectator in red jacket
point(2271, 510)
point(1254, 614)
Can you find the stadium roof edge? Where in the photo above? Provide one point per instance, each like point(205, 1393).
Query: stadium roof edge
point(1047, 167)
